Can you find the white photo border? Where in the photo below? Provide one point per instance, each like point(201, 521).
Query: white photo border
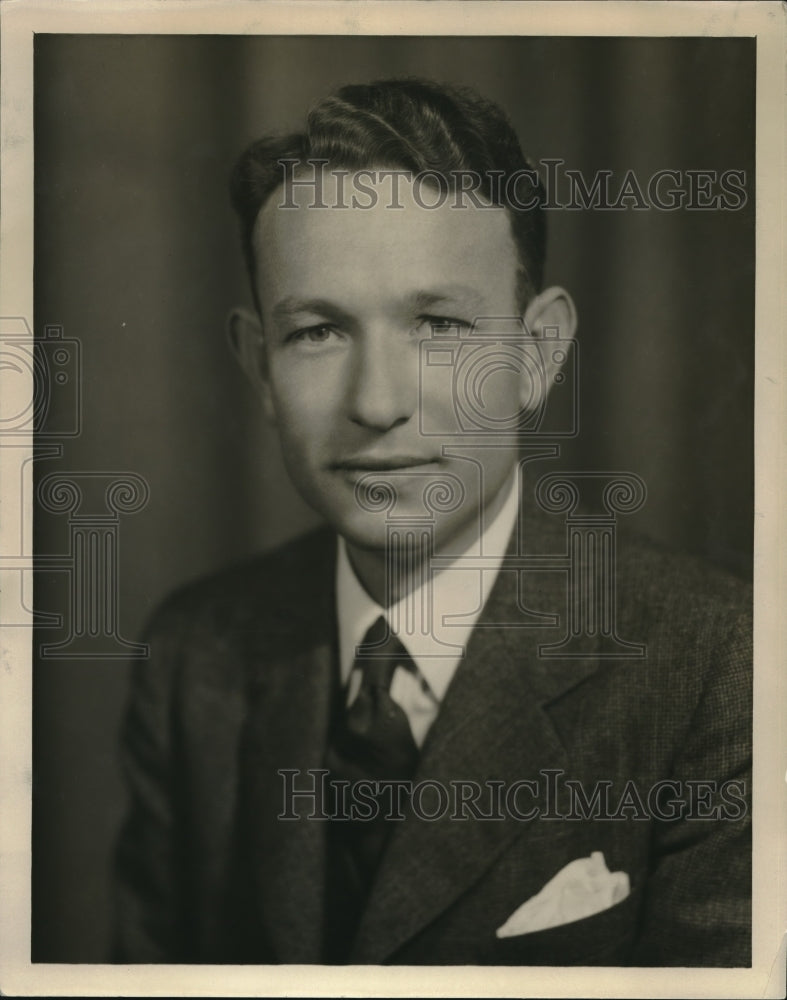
point(20, 21)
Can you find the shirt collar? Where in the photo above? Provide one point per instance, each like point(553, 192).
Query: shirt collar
point(458, 598)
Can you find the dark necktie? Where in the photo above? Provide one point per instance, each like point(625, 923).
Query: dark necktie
point(371, 741)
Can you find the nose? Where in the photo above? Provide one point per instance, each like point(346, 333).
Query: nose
point(383, 384)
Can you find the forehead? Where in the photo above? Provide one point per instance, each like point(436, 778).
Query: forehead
point(395, 244)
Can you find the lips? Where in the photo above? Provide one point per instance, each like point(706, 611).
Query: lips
point(382, 463)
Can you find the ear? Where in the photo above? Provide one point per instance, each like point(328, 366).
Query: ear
point(244, 332)
point(551, 315)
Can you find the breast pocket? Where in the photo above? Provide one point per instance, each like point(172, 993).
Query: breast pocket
point(602, 939)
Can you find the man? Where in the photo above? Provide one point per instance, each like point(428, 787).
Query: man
point(447, 728)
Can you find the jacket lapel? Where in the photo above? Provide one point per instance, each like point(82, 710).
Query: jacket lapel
point(290, 692)
point(493, 725)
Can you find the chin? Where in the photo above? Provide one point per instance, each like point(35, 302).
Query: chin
point(366, 532)
point(370, 534)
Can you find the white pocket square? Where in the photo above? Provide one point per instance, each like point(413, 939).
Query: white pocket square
point(584, 887)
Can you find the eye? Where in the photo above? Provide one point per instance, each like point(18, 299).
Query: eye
point(320, 333)
point(444, 324)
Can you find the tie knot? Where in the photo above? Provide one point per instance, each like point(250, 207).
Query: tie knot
point(380, 654)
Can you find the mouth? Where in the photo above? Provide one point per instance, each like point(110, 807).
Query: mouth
point(383, 463)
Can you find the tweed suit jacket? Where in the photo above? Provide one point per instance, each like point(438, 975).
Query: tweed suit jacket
point(242, 681)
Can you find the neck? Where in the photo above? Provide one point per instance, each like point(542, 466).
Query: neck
point(389, 575)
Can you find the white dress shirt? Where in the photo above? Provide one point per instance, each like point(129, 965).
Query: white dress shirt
point(458, 596)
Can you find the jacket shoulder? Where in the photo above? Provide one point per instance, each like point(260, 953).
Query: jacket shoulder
point(684, 587)
point(267, 589)
point(695, 620)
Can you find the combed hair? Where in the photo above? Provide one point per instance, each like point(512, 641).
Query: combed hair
point(409, 124)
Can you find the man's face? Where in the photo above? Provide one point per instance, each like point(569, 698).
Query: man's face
point(348, 297)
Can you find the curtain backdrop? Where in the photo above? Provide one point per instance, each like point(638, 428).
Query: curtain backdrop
point(137, 257)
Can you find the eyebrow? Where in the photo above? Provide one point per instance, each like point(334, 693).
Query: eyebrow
point(291, 305)
point(417, 301)
point(455, 295)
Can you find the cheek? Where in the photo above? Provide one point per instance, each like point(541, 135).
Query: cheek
point(305, 400)
point(484, 397)
point(489, 388)
point(436, 402)
point(305, 439)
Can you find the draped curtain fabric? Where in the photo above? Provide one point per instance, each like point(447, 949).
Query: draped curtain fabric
point(136, 256)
